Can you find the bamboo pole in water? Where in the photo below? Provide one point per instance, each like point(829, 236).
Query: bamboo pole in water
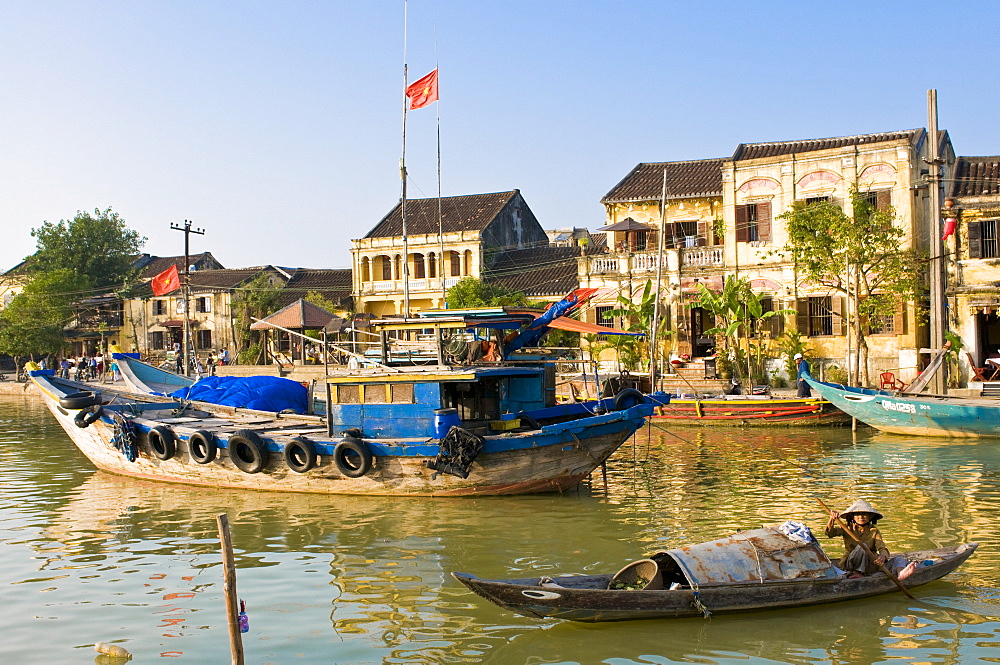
point(229, 585)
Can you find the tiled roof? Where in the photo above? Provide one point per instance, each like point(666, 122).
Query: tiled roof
point(156, 264)
point(758, 150)
point(458, 213)
point(296, 316)
point(699, 177)
point(222, 279)
point(977, 176)
point(543, 271)
point(334, 284)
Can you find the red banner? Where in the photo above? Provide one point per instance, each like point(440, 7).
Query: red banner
point(166, 281)
point(424, 91)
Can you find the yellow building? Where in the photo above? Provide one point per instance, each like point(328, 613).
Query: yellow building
point(974, 268)
point(469, 236)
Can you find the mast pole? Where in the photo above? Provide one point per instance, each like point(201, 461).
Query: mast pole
point(938, 313)
point(654, 333)
point(402, 175)
point(440, 267)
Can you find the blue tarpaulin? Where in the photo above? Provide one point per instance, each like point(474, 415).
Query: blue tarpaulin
point(264, 393)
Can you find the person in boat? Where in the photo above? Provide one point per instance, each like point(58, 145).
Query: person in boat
point(802, 369)
point(861, 518)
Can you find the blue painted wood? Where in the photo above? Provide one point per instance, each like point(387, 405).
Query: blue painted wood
point(929, 415)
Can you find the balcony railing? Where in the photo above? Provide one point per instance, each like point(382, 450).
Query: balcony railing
point(701, 256)
point(416, 285)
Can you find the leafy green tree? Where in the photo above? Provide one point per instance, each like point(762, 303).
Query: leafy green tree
point(634, 352)
point(255, 299)
point(862, 255)
point(740, 321)
point(32, 324)
point(320, 300)
point(99, 246)
point(473, 292)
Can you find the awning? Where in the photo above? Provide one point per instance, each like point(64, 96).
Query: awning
point(176, 323)
point(566, 323)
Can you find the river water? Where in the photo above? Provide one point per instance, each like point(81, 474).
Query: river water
point(86, 556)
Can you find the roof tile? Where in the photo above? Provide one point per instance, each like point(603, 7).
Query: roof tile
point(772, 149)
point(977, 176)
point(700, 177)
point(472, 212)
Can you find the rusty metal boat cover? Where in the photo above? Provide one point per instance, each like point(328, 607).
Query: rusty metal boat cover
point(757, 556)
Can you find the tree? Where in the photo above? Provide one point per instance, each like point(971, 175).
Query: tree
point(473, 292)
point(862, 255)
point(32, 324)
point(255, 299)
point(633, 351)
point(99, 246)
point(739, 315)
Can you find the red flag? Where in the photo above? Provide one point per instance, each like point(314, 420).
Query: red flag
point(424, 91)
point(949, 227)
point(166, 281)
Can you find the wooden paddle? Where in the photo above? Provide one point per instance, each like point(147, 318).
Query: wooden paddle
point(871, 555)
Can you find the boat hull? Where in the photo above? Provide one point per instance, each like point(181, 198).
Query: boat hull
point(920, 415)
point(554, 458)
point(586, 598)
point(718, 412)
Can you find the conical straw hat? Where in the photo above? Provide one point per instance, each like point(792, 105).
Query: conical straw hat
point(861, 506)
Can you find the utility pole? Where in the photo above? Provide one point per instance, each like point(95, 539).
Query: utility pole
point(188, 353)
point(938, 314)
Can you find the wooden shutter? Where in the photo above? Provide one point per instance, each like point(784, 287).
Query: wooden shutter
point(837, 305)
point(742, 221)
point(883, 199)
point(975, 240)
point(898, 321)
point(702, 233)
point(802, 316)
point(669, 233)
point(764, 221)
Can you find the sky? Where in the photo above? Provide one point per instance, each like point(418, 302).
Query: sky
point(276, 126)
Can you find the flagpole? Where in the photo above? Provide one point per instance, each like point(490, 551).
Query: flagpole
point(653, 334)
point(444, 288)
point(402, 175)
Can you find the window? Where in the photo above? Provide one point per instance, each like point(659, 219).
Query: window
point(418, 267)
point(156, 341)
point(817, 199)
point(890, 323)
point(878, 200)
point(821, 316)
point(159, 307)
point(602, 318)
point(180, 306)
point(203, 304)
point(203, 339)
point(753, 222)
point(456, 264)
point(983, 239)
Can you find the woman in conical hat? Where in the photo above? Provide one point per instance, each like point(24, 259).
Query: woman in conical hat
point(860, 517)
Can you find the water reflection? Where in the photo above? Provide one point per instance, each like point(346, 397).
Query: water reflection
point(365, 580)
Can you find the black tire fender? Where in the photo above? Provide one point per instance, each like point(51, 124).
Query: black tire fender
point(80, 400)
point(87, 417)
point(162, 442)
point(628, 398)
point(528, 420)
point(352, 457)
point(300, 454)
point(202, 446)
point(247, 451)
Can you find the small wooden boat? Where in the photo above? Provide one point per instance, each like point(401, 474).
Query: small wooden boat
point(748, 571)
point(915, 414)
point(749, 411)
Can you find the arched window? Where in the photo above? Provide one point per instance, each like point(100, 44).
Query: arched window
point(467, 268)
point(419, 271)
point(397, 272)
point(366, 274)
point(431, 265)
point(456, 264)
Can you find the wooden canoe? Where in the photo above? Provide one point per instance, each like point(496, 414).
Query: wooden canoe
point(587, 597)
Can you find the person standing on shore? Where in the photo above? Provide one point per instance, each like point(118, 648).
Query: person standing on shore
point(802, 369)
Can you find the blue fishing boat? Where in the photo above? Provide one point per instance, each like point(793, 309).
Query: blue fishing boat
point(917, 414)
point(486, 426)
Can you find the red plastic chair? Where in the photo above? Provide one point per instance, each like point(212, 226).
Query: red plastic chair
point(888, 380)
